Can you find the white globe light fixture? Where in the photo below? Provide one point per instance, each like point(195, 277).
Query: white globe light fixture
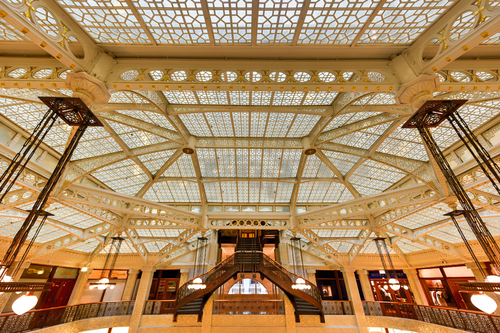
point(484, 303)
point(394, 284)
point(300, 284)
point(197, 284)
point(24, 303)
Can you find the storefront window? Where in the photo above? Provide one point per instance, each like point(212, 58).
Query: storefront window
point(383, 292)
point(332, 286)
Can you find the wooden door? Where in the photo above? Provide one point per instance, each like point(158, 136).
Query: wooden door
point(59, 293)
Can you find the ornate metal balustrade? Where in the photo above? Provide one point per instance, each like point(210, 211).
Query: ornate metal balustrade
point(159, 307)
point(337, 308)
point(37, 319)
point(472, 321)
point(270, 307)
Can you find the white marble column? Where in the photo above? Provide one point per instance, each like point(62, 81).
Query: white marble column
point(416, 286)
point(311, 276)
point(365, 285)
point(79, 287)
point(130, 284)
point(142, 296)
point(357, 306)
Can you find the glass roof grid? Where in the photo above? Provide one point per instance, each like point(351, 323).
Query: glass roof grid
point(255, 162)
point(133, 137)
point(319, 98)
point(311, 167)
point(334, 22)
point(290, 163)
point(239, 97)
point(153, 247)
point(242, 191)
point(150, 117)
point(253, 191)
point(121, 97)
point(175, 21)
point(241, 123)
point(372, 172)
point(151, 195)
point(340, 120)
point(325, 172)
point(155, 161)
point(278, 20)
point(334, 192)
point(87, 246)
point(304, 191)
point(258, 123)
point(196, 124)
point(346, 196)
point(229, 191)
point(58, 137)
point(186, 166)
point(407, 246)
point(107, 21)
point(261, 97)
point(8, 33)
point(344, 247)
point(268, 191)
point(95, 142)
point(284, 192)
point(125, 176)
point(323, 232)
point(343, 162)
point(178, 190)
point(181, 97)
point(288, 97)
point(212, 97)
point(278, 124)
point(404, 142)
point(242, 162)
point(363, 139)
point(220, 123)
point(173, 171)
point(208, 162)
point(302, 125)
point(213, 192)
point(227, 163)
point(25, 114)
point(495, 39)
point(319, 190)
point(232, 21)
point(162, 192)
point(271, 163)
point(382, 99)
point(446, 234)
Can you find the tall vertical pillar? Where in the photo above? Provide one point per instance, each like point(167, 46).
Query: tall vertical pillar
point(4, 298)
point(311, 276)
point(357, 306)
point(184, 276)
point(129, 285)
point(81, 281)
point(289, 316)
point(206, 321)
point(415, 286)
point(142, 295)
point(365, 285)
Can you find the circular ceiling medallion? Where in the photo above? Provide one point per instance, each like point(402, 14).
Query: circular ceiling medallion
point(188, 150)
point(310, 151)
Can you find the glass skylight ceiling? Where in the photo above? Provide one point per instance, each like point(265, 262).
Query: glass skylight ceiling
point(179, 22)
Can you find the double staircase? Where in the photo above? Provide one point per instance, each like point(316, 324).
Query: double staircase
point(249, 257)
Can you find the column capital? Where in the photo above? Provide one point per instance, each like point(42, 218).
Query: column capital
point(418, 91)
point(472, 265)
point(348, 269)
point(184, 270)
point(362, 271)
point(148, 269)
point(311, 270)
point(133, 271)
point(89, 89)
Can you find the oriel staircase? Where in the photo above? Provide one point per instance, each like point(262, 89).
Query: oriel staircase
point(249, 257)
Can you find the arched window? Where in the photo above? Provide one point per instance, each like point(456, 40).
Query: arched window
point(247, 287)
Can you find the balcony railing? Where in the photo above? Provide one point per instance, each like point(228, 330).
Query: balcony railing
point(337, 308)
point(477, 322)
point(270, 307)
point(159, 307)
point(37, 319)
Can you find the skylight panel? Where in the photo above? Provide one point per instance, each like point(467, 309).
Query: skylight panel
point(242, 191)
point(229, 191)
point(58, 137)
point(213, 192)
point(107, 21)
point(365, 138)
point(261, 97)
point(208, 162)
point(178, 190)
point(305, 191)
point(125, 176)
point(319, 98)
point(181, 97)
point(155, 161)
point(239, 97)
point(161, 191)
point(271, 163)
point(253, 191)
point(278, 20)
point(278, 124)
point(196, 124)
point(284, 192)
point(343, 162)
point(334, 22)
point(220, 123)
point(268, 191)
point(258, 123)
point(349, 118)
point(335, 192)
point(120, 97)
point(87, 246)
point(241, 123)
point(175, 21)
point(290, 163)
point(302, 125)
point(227, 163)
point(232, 21)
point(183, 167)
point(95, 142)
point(346, 196)
point(288, 97)
point(311, 167)
point(133, 137)
point(26, 115)
point(212, 97)
point(150, 117)
point(375, 176)
point(319, 191)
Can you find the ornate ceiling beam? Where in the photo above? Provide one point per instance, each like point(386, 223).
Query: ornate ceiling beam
point(139, 248)
point(402, 110)
point(325, 110)
point(255, 143)
point(337, 173)
point(95, 197)
point(331, 254)
point(170, 248)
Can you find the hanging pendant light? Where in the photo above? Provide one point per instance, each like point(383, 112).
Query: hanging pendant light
point(300, 284)
point(383, 252)
point(199, 264)
point(394, 284)
point(24, 303)
point(109, 265)
point(298, 264)
point(484, 303)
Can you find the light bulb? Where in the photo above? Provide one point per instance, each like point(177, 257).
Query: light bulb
point(102, 286)
point(24, 303)
point(386, 287)
point(197, 280)
point(91, 287)
point(104, 280)
point(111, 287)
point(7, 278)
point(394, 284)
point(484, 303)
point(405, 287)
